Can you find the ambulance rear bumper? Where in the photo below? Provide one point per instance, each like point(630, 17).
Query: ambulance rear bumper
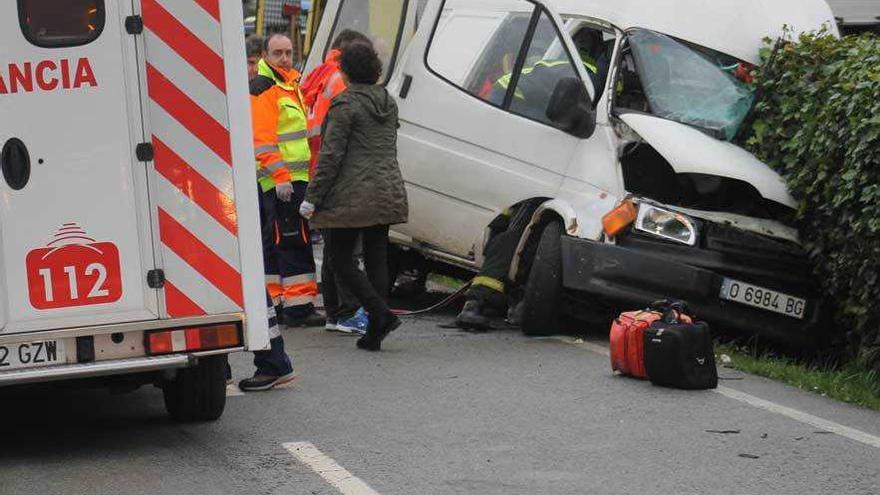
point(106, 368)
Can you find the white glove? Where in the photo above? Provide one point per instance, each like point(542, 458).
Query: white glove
point(306, 210)
point(284, 191)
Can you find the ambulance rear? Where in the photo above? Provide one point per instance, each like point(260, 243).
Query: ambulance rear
point(129, 236)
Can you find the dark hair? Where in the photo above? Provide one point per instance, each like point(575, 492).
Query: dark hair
point(349, 36)
point(253, 45)
point(360, 63)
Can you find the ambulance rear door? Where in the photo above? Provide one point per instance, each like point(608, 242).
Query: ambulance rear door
point(75, 228)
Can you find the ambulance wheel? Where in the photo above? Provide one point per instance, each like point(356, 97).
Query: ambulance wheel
point(197, 393)
point(541, 304)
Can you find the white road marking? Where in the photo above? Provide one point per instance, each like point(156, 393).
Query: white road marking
point(333, 473)
point(844, 431)
point(815, 421)
point(232, 390)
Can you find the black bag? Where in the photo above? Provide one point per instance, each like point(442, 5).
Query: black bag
point(680, 355)
point(291, 230)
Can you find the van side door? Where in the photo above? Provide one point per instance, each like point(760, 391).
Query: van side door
point(475, 137)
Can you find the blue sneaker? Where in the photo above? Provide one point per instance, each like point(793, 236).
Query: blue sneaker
point(356, 324)
point(331, 325)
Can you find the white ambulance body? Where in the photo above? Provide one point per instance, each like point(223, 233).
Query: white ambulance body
point(129, 236)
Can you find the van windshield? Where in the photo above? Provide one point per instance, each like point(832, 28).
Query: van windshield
point(692, 84)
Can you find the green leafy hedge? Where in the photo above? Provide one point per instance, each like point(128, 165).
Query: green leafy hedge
point(818, 124)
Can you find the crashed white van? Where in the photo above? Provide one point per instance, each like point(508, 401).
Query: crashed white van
point(641, 139)
point(129, 236)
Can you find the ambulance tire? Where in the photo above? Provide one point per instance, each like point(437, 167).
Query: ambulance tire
point(198, 393)
point(543, 293)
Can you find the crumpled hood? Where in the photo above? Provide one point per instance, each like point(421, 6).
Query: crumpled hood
point(375, 100)
point(690, 151)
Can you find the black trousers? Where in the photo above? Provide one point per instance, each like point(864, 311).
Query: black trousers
point(489, 285)
point(370, 288)
point(339, 303)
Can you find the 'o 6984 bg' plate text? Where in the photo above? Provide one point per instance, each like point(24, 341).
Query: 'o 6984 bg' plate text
point(760, 297)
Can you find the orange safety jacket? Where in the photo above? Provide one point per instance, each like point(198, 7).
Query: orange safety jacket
point(280, 125)
point(319, 88)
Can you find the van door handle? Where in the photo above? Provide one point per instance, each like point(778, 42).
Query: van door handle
point(404, 88)
point(16, 163)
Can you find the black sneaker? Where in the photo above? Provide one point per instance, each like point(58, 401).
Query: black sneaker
point(259, 383)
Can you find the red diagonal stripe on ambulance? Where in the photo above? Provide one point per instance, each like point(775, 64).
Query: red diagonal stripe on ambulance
point(184, 42)
point(194, 186)
point(199, 256)
point(189, 114)
point(178, 304)
point(211, 6)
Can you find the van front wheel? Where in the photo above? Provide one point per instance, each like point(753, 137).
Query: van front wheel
point(198, 393)
point(541, 304)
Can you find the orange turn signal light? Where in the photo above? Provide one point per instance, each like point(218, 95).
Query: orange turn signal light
point(619, 218)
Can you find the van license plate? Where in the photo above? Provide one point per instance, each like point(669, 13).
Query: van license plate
point(759, 297)
point(31, 355)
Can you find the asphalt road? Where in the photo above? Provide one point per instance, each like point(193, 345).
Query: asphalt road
point(445, 412)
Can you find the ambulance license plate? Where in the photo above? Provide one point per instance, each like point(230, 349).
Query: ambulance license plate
point(31, 355)
point(759, 297)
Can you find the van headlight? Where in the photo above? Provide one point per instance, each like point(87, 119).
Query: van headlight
point(666, 224)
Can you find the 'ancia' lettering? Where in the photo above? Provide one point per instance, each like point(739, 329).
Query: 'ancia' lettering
point(47, 75)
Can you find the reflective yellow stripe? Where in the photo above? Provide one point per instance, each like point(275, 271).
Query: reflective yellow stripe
point(291, 166)
point(293, 136)
point(300, 279)
point(489, 282)
point(269, 148)
point(297, 166)
point(271, 169)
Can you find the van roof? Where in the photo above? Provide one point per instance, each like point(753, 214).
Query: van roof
point(735, 27)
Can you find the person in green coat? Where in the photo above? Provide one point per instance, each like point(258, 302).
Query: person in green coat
point(358, 190)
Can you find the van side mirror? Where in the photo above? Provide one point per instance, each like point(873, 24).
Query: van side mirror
point(570, 108)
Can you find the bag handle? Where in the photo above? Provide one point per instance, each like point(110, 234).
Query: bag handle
point(672, 310)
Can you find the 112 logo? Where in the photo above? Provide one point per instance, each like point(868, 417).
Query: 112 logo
point(73, 270)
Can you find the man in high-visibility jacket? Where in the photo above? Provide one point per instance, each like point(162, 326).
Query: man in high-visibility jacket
point(282, 154)
point(282, 151)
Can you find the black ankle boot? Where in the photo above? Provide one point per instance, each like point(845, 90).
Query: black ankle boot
point(472, 317)
point(377, 330)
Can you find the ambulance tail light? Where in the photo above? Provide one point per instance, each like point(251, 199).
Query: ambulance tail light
point(193, 339)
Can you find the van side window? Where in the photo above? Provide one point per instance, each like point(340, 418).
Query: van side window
point(547, 62)
point(476, 46)
point(47, 24)
point(380, 20)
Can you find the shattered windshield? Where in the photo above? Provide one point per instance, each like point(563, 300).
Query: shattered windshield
point(691, 84)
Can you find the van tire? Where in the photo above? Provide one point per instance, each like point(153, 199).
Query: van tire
point(197, 393)
point(542, 301)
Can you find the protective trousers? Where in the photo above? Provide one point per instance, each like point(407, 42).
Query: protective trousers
point(290, 273)
point(489, 286)
point(275, 361)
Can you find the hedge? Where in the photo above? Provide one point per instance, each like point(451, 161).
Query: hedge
point(817, 122)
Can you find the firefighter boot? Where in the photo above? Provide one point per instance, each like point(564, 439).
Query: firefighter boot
point(473, 317)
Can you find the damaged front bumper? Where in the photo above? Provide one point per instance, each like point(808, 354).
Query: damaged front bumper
point(639, 270)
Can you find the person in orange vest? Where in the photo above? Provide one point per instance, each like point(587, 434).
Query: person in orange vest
point(319, 88)
point(279, 119)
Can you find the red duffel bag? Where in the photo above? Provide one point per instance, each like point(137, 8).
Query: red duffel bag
point(627, 335)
